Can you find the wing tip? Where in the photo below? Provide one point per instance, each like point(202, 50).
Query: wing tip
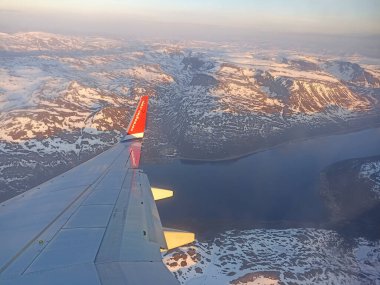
point(136, 127)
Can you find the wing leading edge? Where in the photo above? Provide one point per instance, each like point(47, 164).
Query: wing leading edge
point(95, 224)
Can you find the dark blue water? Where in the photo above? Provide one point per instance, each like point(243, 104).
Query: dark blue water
point(278, 187)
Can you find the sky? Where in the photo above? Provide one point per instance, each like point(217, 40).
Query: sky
point(192, 17)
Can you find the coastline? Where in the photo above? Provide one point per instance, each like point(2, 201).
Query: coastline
point(271, 147)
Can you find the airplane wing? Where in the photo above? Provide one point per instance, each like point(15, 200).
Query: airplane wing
point(94, 224)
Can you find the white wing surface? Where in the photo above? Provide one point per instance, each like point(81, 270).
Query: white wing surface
point(95, 224)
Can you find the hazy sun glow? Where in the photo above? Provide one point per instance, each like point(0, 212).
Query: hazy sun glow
point(126, 17)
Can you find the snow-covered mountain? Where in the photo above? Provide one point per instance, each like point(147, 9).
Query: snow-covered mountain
point(63, 99)
point(40, 41)
point(352, 72)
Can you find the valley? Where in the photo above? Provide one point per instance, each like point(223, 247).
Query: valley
point(64, 99)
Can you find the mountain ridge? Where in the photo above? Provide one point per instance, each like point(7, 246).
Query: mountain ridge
point(67, 106)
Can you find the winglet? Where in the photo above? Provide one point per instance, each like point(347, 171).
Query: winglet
point(136, 127)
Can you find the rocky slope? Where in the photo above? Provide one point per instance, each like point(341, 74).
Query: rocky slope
point(351, 191)
point(63, 99)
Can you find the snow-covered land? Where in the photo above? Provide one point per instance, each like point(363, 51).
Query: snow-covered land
point(371, 171)
point(63, 99)
point(264, 256)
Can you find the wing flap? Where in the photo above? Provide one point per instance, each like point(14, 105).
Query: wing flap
point(176, 238)
point(134, 232)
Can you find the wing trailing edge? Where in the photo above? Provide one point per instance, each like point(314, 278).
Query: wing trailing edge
point(173, 237)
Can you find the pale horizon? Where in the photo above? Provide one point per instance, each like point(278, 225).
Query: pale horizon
point(192, 19)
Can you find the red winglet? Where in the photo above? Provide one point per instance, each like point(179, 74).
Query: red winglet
point(137, 124)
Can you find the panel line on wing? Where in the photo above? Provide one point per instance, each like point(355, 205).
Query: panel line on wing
point(131, 147)
point(113, 211)
point(110, 244)
point(86, 190)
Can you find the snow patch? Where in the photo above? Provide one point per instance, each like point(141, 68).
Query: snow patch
point(290, 256)
point(371, 171)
